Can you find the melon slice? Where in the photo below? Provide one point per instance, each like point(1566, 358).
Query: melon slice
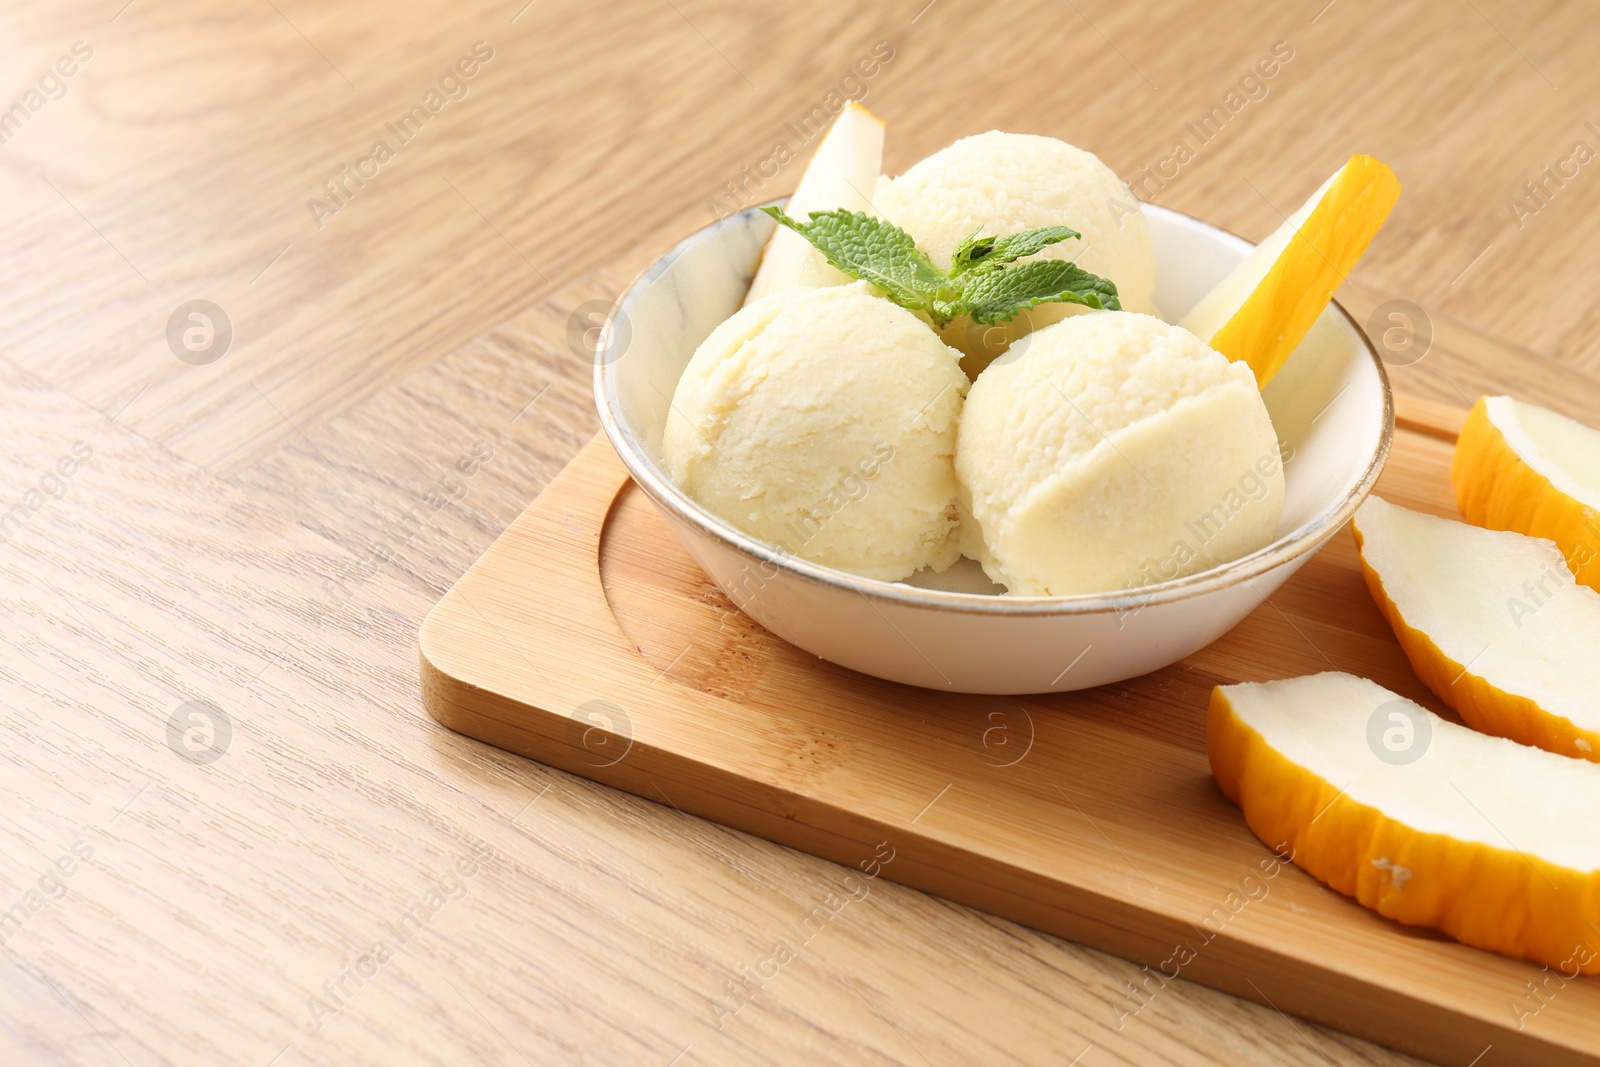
point(1492, 622)
point(1523, 468)
point(841, 175)
point(1261, 311)
point(1487, 840)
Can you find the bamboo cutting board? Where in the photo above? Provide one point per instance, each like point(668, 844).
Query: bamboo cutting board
point(587, 638)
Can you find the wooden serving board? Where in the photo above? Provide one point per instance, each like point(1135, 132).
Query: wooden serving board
point(587, 638)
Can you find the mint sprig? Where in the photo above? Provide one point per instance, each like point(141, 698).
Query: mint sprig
point(870, 248)
point(980, 252)
point(985, 282)
point(996, 295)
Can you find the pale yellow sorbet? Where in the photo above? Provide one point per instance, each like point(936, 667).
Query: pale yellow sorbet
point(823, 422)
point(1113, 450)
point(1002, 183)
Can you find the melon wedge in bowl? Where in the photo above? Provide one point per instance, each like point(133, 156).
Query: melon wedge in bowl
point(841, 175)
point(1417, 817)
point(1263, 309)
point(1521, 467)
point(1492, 622)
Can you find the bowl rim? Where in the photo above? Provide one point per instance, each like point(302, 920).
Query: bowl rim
point(667, 496)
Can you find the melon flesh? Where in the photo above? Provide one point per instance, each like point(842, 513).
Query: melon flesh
point(1493, 622)
point(1487, 840)
point(1562, 449)
point(1229, 295)
point(1263, 309)
point(1520, 467)
point(842, 175)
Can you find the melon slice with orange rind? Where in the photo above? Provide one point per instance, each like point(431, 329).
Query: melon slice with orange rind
point(1492, 622)
point(1484, 839)
point(842, 175)
point(1524, 468)
point(1263, 309)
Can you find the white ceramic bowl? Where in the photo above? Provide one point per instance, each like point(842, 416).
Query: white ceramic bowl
point(1330, 404)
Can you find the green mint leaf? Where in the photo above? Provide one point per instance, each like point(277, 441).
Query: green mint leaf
point(873, 250)
point(993, 296)
point(984, 281)
point(950, 305)
point(969, 252)
point(978, 251)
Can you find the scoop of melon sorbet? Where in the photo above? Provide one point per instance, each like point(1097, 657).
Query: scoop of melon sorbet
point(1112, 450)
point(823, 421)
point(1003, 183)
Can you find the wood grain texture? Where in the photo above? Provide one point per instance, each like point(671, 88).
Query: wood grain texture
point(191, 557)
point(1091, 815)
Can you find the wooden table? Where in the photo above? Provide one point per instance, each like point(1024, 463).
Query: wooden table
point(230, 833)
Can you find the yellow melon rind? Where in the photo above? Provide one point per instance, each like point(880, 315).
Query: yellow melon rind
point(1496, 488)
point(1482, 705)
point(1487, 897)
point(1304, 279)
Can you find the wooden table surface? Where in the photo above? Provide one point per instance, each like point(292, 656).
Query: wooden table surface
point(230, 833)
